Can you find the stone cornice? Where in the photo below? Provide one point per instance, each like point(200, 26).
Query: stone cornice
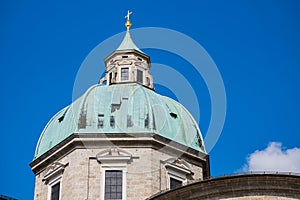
point(101, 140)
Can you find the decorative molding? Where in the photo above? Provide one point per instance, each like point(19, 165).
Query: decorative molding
point(114, 156)
point(179, 164)
point(114, 159)
point(178, 169)
point(125, 62)
point(53, 176)
point(142, 65)
point(138, 63)
point(54, 170)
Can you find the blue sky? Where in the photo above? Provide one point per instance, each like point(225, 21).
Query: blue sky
point(255, 45)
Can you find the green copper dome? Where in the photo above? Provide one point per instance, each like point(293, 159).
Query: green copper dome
point(122, 109)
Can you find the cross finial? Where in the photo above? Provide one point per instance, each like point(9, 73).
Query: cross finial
point(128, 23)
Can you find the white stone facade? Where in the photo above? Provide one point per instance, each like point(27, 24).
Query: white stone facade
point(146, 169)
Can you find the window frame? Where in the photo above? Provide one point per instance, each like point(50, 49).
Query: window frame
point(122, 74)
point(115, 168)
point(53, 176)
point(51, 183)
point(52, 188)
point(113, 159)
point(105, 178)
point(177, 172)
point(177, 179)
point(140, 74)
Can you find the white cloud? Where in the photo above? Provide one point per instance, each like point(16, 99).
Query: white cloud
point(274, 158)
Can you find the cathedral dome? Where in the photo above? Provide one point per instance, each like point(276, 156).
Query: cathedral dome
point(126, 104)
point(127, 108)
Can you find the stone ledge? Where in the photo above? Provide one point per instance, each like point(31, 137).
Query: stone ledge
point(102, 140)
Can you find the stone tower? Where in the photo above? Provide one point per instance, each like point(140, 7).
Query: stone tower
point(120, 140)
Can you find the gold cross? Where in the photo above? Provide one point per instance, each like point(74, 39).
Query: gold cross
point(128, 15)
point(128, 23)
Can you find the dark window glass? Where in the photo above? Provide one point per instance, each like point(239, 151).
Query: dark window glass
point(139, 75)
point(55, 191)
point(147, 121)
point(115, 78)
point(115, 107)
point(174, 183)
point(129, 121)
point(112, 121)
point(110, 78)
point(113, 185)
point(100, 122)
point(124, 74)
point(174, 115)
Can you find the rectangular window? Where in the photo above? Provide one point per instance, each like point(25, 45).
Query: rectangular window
point(100, 123)
point(139, 75)
point(100, 120)
point(110, 78)
point(174, 183)
point(55, 191)
point(147, 121)
point(114, 107)
point(129, 121)
point(113, 185)
point(112, 121)
point(124, 74)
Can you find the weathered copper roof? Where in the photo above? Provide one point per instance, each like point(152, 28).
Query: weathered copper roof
point(122, 109)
